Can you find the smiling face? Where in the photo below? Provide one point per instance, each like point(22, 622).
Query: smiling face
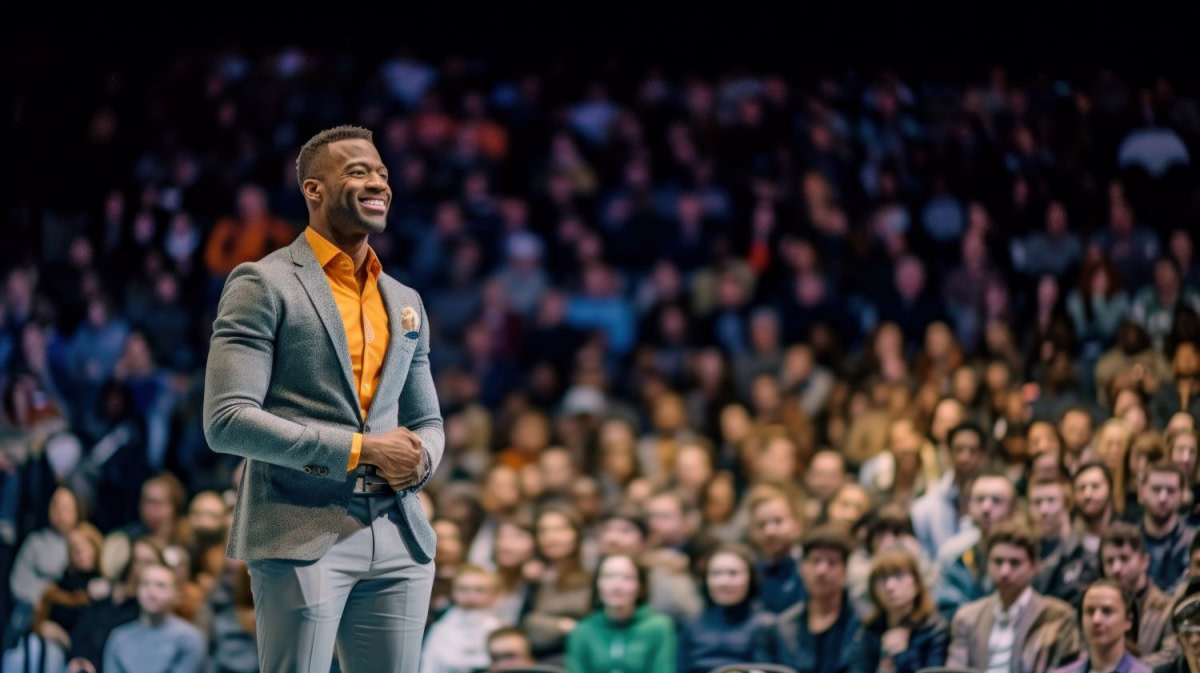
point(348, 189)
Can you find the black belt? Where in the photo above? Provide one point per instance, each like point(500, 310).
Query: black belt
point(370, 483)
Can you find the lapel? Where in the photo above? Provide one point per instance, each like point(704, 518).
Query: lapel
point(983, 632)
point(397, 343)
point(1022, 629)
point(312, 278)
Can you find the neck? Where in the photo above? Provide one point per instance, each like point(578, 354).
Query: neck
point(620, 613)
point(353, 244)
point(1105, 658)
point(1100, 523)
point(1008, 600)
point(1064, 529)
point(825, 605)
point(509, 578)
point(154, 619)
point(1143, 581)
point(897, 617)
point(1154, 529)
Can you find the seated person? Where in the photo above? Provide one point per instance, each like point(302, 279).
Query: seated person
point(624, 634)
point(1107, 620)
point(905, 634)
point(159, 641)
point(457, 641)
point(1015, 628)
point(817, 634)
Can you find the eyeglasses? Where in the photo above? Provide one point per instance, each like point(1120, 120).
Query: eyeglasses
point(504, 656)
point(1189, 630)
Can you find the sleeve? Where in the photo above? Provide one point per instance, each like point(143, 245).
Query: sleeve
point(110, 655)
point(542, 630)
point(238, 373)
point(26, 586)
point(191, 656)
point(355, 452)
point(683, 648)
point(957, 656)
point(764, 649)
point(1069, 644)
point(933, 654)
point(577, 652)
point(863, 657)
point(665, 654)
point(419, 408)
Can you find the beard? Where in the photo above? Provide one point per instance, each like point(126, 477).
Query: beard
point(348, 214)
point(1162, 519)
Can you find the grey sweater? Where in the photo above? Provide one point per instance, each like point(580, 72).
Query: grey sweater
point(175, 646)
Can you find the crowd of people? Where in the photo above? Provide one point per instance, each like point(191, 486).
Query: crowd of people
point(852, 374)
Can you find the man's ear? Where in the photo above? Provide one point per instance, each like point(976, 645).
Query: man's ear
point(313, 191)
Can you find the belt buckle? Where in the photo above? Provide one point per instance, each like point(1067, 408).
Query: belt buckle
point(362, 485)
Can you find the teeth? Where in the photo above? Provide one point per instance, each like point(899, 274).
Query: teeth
point(373, 202)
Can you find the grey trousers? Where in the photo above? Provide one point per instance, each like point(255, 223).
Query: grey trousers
point(366, 595)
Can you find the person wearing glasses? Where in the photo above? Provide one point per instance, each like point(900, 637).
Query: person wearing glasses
point(905, 633)
point(1186, 620)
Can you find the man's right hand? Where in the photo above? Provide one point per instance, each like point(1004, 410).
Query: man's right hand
point(396, 455)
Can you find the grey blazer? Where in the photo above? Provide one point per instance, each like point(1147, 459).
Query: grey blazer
point(279, 391)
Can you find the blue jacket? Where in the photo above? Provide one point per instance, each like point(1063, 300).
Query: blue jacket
point(927, 645)
point(719, 636)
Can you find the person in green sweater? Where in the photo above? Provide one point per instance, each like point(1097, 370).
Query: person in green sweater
point(623, 635)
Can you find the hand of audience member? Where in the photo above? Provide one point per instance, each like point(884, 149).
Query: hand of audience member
point(80, 665)
point(894, 641)
point(532, 570)
point(51, 631)
point(99, 588)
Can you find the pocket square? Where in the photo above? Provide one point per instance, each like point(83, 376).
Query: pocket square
point(410, 322)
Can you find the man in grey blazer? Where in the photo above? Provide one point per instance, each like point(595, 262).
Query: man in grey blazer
point(318, 374)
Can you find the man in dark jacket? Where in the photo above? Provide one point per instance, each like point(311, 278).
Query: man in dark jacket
point(816, 635)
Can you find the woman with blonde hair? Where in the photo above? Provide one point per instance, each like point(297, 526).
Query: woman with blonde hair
point(905, 634)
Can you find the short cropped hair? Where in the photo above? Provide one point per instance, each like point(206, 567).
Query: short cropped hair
point(313, 150)
point(1015, 533)
point(828, 537)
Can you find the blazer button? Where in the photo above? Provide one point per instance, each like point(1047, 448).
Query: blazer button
point(308, 469)
point(324, 470)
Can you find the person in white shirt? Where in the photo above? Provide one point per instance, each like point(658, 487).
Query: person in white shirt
point(457, 643)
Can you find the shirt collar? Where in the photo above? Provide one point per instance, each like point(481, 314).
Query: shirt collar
point(327, 252)
point(1014, 611)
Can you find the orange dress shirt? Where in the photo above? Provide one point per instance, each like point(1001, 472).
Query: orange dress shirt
point(363, 316)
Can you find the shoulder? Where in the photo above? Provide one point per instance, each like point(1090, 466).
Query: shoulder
point(405, 292)
point(1079, 665)
point(123, 632)
point(657, 622)
point(969, 613)
point(791, 614)
point(933, 622)
point(1056, 609)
